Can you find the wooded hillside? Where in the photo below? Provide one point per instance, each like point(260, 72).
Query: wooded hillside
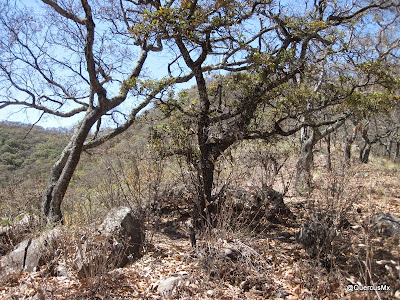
point(28, 151)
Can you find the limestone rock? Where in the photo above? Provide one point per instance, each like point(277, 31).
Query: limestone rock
point(31, 253)
point(231, 253)
point(127, 230)
point(210, 293)
point(116, 242)
point(167, 286)
point(15, 233)
point(387, 224)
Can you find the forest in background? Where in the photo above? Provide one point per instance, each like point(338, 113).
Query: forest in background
point(28, 150)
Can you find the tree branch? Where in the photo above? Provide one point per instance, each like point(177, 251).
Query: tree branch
point(64, 12)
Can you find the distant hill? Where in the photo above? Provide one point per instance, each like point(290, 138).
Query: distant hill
point(26, 151)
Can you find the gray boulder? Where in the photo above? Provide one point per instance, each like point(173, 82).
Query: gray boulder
point(126, 229)
point(31, 253)
point(13, 234)
point(386, 224)
point(116, 242)
point(15, 259)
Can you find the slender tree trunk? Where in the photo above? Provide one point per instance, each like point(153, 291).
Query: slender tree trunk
point(328, 153)
point(347, 150)
point(366, 148)
point(63, 169)
point(349, 140)
point(204, 189)
point(206, 176)
point(364, 153)
point(388, 148)
point(304, 164)
point(396, 152)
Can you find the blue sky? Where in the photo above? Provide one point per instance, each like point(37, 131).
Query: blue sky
point(155, 68)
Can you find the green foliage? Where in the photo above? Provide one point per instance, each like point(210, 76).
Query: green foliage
point(173, 137)
point(380, 74)
point(184, 19)
point(364, 104)
point(378, 92)
point(130, 83)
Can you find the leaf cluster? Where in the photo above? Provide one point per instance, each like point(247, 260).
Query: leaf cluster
point(191, 19)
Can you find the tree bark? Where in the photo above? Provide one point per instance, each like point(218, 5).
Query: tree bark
point(63, 169)
point(366, 148)
point(328, 153)
point(388, 148)
point(349, 140)
point(204, 190)
point(397, 152)
point(347, 150)
point(364, 153)
point(304, 164)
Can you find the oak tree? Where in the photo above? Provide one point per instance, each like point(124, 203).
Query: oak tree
point(267, 48)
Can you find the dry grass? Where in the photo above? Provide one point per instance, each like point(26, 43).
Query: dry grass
point(262, 264)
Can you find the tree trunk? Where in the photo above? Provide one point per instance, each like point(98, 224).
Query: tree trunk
point(388, 148)
point(204, 190)
point(63, 169)
point(304, 165)
point(347, 150)
point(364, 153)
point(397, 152)
point(328, 153)
point(366, 148)
point(349, 143)
point(206, 167)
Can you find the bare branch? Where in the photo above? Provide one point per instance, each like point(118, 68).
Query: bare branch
point(64, 12)
point(44, 109)
point(91, 65)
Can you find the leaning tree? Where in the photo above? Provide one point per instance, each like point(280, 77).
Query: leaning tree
point(90, 60)
point(77, 59)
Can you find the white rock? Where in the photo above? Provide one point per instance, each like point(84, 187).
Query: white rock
point(210, 293)
point(167, 286)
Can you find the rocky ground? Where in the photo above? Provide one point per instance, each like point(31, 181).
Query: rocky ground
point(240, 263)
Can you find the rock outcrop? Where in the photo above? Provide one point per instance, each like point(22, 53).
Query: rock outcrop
point(253, 205)
point(316, 236)
point(115, 243)
point(33, 252)
point(387, 224)
point(13, 234)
